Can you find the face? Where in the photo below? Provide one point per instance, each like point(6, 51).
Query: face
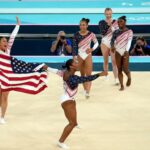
point(3, 44)
point(121, 23)
point(62, 34)
point(83, 26)
point(108, 14)
point(139, 42)
point(75, 66)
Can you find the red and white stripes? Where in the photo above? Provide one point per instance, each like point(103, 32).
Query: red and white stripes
point(31, 83)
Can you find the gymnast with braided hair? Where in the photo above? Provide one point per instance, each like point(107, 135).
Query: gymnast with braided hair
point(120, 45)
point(71, 82)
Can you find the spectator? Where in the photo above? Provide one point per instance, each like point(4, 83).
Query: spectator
point(141, 48)
point(61, 46)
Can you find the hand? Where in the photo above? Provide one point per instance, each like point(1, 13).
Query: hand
point(58, 38)
point(17, 20)
point(113, 49)
point(75, 58)
point(45, 67)
point(126, 54)
point(104, 73)
point(65, 41)
point(140, 50)
point(89, 50)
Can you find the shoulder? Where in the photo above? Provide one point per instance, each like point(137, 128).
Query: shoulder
point(93, 34)
point(102, 22)
point(114, 20)
point(131, 31)
point(77, 33)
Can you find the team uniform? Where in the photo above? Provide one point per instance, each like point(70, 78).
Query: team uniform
point(121, 40)
point(71, 85)
point(106, 31)
point(82, 43)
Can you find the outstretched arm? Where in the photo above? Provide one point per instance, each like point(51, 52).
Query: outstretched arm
point(55, 71)
point(73, 81)
point(13, 35)
point(83, 79)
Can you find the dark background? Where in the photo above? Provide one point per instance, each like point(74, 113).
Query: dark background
point(41, 45)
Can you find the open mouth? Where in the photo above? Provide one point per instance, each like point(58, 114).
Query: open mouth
point(5, 46)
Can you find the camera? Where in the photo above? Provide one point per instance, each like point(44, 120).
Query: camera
point(62, 37)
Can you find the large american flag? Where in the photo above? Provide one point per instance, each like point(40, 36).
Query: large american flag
point(20, 76)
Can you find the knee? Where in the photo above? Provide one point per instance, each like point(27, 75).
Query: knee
point(126, 70)
point(4, 96)
point(119, 71)
point(113, 62)
point(73, 124)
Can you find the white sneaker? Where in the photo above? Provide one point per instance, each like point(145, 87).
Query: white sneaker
point(62, 145)
point(87, 95)
point(78, 127)
point(116, 81)
point(107, 78)
point(2, 121)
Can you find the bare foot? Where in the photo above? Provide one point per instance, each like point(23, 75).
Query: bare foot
point(128, 82)
point(122, 88)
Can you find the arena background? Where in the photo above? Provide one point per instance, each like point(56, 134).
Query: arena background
point(41, 21)
point(109, 120)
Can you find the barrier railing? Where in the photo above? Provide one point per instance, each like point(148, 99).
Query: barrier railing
point(55, 35)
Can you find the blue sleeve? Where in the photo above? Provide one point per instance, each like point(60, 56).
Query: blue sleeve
point(75, 46)
point(69, 42)
point(74, 80)
point(103, 27)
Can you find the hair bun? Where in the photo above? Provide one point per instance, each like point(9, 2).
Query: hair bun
point(123, 17)
point(87, 20)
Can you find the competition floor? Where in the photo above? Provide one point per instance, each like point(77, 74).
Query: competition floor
point(110, 120)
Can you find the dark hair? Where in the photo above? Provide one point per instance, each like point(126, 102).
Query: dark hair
point(108, 9)
point(68, 64)
point(1, 37)
point(85, 20)
point(123, 18)
point(142, 39)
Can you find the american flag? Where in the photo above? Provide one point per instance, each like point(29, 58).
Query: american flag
point(20, 76)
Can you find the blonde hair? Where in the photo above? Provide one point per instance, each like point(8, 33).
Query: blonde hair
point(108, 9)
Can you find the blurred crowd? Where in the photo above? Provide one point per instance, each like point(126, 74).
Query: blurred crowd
point(62, 46)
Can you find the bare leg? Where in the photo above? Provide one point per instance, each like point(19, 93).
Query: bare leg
point(119, 66)
point(71, 114)
point(82, 69)
point(126, 68)
point(114, 65)
point(88, 71)
point(4, 103)
point(105, 51)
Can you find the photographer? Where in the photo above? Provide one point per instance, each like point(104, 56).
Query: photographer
point(141, 48)
point(61, 46)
